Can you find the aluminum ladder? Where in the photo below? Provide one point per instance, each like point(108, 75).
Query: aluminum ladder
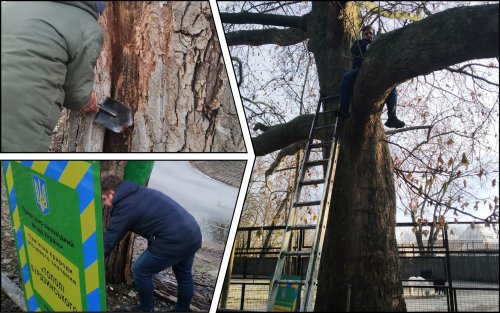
point(321, 123)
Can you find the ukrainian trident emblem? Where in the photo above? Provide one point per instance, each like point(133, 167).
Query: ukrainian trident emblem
point(41, 197)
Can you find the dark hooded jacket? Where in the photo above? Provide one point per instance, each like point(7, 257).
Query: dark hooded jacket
point(49, 51)
point(171, 231)
point(358, 51)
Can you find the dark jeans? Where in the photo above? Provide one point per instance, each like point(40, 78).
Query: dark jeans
point(148, 264)
point(346, 89)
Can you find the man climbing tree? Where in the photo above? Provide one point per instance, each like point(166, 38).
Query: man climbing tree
point(360, 254)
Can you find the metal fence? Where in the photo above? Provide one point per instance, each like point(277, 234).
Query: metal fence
point(454, 277)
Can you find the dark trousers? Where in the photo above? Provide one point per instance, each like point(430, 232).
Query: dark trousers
point(148, 264)
point(346, 89)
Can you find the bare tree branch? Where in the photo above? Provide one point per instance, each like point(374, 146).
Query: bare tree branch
point(264, 19)
point(400, 130)
point(461, 71)
point(290, 150)
point(239, 79)
point(280, 37)
point(455, 209)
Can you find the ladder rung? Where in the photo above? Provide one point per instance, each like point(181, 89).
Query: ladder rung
point(329, 97)
point(324, 126)
point(296, 253)
point(321, 144)
point(308, 203)
point(326, 112)
point(289, 281)
point(298, 227)
point(312, 182)
point(317, 162)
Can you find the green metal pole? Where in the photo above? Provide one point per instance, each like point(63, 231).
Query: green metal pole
point(138, 171)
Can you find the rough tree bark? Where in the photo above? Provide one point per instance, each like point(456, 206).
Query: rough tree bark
point(162, 59)
point(360, 246)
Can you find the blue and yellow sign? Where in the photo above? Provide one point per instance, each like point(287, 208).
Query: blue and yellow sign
point(57, 219)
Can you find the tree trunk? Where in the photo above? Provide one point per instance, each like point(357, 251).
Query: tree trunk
point(119, 262)
point(361, 225)
point(331, 42)
point(361, 230)
point(163, 60)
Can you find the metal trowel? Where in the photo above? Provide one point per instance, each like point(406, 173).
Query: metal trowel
point(114, 115)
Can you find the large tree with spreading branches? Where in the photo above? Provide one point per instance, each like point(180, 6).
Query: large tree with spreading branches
point(360, 245)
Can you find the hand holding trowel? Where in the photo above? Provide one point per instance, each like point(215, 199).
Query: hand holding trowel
point(114, 115)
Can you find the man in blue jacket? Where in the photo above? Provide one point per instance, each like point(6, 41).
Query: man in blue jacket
point(358, 50)
point(173, 237)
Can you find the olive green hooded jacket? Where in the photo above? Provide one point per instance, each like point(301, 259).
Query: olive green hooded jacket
point(49, 51)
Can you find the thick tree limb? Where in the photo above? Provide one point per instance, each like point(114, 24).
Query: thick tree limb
point(280, 37)
point(443, 39)
point(282, 135)
point(264, 19)
point(290, 150)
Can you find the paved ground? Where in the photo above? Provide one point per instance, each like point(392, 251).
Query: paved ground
point(229, 172)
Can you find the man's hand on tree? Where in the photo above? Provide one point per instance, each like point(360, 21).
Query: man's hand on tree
point(92, 106)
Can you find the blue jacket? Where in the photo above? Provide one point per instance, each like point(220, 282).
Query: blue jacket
point(171, 231)
point(358, 51)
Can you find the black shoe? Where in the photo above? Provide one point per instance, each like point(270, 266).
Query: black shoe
point(341, 113)
point(394, 122)
point(134, 308)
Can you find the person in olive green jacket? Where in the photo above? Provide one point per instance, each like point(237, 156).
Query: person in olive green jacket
point(49, 51)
